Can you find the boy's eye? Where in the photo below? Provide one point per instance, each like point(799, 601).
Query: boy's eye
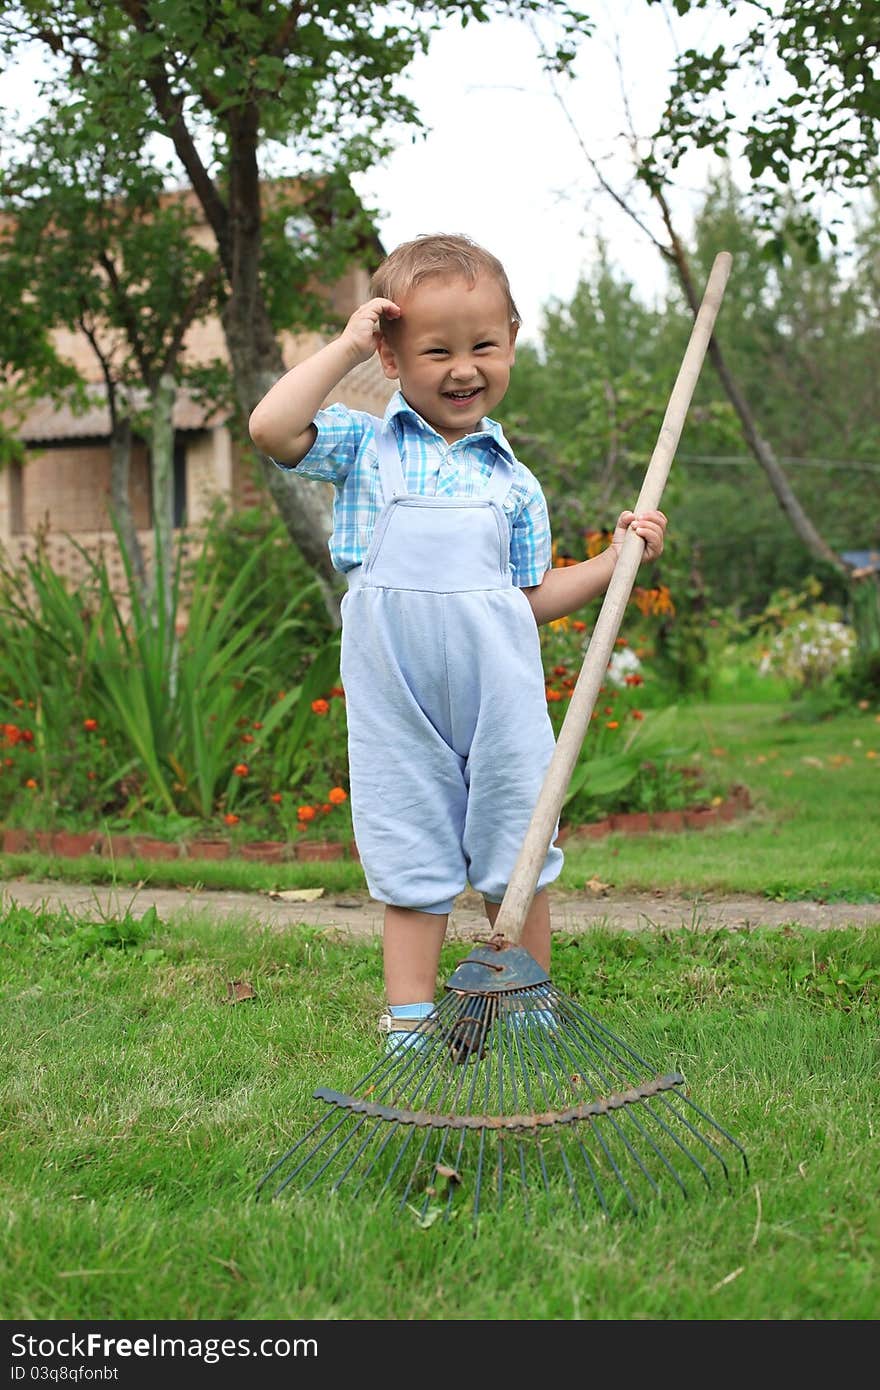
point(482, 347)
point(436, 352)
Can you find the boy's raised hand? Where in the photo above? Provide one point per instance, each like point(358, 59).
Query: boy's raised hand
point(651, 526)
point(361, 333)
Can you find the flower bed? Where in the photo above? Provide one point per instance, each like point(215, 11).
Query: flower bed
point(66, 844)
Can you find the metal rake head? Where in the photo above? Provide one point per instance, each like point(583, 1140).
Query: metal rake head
point(516, 1092)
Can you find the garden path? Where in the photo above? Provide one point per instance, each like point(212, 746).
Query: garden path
point(356, 915)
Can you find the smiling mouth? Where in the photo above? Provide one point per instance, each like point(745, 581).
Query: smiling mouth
point(462, 397)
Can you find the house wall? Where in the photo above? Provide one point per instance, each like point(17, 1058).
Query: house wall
point(61, 494)
point(68, 488)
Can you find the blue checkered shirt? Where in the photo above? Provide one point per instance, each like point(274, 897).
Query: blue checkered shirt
point(345, 455)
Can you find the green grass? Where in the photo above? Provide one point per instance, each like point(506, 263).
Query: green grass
point(140, 1109)
point(813, 830)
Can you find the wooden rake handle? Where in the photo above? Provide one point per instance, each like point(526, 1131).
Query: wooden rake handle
point(521, 888)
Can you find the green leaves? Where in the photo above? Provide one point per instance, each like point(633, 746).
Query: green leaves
point(648, 741)
point(819, 60)
point(170, 691)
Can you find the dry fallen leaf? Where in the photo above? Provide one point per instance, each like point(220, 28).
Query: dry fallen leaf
point(296, 895)
point(595, 885)
point(236, 990)
point(450, 1174)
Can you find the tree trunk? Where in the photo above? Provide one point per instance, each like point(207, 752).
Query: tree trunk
point(162, 475)
point(120, 500)
point(305, 506)
point(782, 490)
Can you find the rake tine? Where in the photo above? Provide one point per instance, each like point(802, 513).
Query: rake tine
point(667, 1101)
point(594, 1178)
point(292, 1150)
point(522, 1048)
point(326, 1164)
point(716, 1126)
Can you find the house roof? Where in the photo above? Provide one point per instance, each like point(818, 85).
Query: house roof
point(861, 559)
point(47, 422)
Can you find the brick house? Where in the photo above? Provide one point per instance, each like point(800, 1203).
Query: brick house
point(62, 488)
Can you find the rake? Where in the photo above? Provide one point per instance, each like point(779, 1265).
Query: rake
point(515, 1091)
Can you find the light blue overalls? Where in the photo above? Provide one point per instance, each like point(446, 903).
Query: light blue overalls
point(448, 731)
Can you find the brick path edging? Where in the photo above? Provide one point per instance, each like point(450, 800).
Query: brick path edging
point(74, 844)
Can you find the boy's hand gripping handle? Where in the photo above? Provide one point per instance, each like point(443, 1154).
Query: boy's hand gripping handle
point(521, 888)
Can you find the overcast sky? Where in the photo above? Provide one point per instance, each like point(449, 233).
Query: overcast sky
point(502, 163)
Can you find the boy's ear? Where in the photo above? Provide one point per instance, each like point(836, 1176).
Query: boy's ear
point(514, 329)
point(388, 357)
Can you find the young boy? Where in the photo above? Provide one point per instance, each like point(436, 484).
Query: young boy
point(445, 541)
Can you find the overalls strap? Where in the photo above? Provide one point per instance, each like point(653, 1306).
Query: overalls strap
point(394, 483)
point(501, 479)
point(390, 467)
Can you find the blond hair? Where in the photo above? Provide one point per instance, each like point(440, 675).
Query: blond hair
point(437, 255)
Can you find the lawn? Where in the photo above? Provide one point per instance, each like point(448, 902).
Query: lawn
point(143, 1100)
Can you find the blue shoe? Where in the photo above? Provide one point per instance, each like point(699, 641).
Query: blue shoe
point(529, 1017)
point(406, 1025)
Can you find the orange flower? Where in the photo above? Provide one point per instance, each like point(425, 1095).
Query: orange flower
point(663, 601)
point(654, 601)
point(596, 542)
point(326, 808)
point(230, 818)
point(256, 724)
point(553, 695)
point(578, 625)
point(31, 783)
point(247, 738)
point(634, 679)
point(560, 670)
point(305, 813)
point(241, 770)
point(320, 707)
point(641, 600)
point(560, 560)
point(337, 692)
point(276, 797)
point(612, 724)
point(637, 714)
point(90, 725)
point(91, 775)
point(336, 795)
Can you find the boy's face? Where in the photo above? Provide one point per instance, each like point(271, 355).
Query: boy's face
point(452, 351)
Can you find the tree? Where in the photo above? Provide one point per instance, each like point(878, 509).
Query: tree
point(818, 121)
point(232, 87)
point(104, 251)
point(800, 338)
point(586, 407)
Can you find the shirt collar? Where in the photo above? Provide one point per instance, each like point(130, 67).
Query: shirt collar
point(489, 429)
